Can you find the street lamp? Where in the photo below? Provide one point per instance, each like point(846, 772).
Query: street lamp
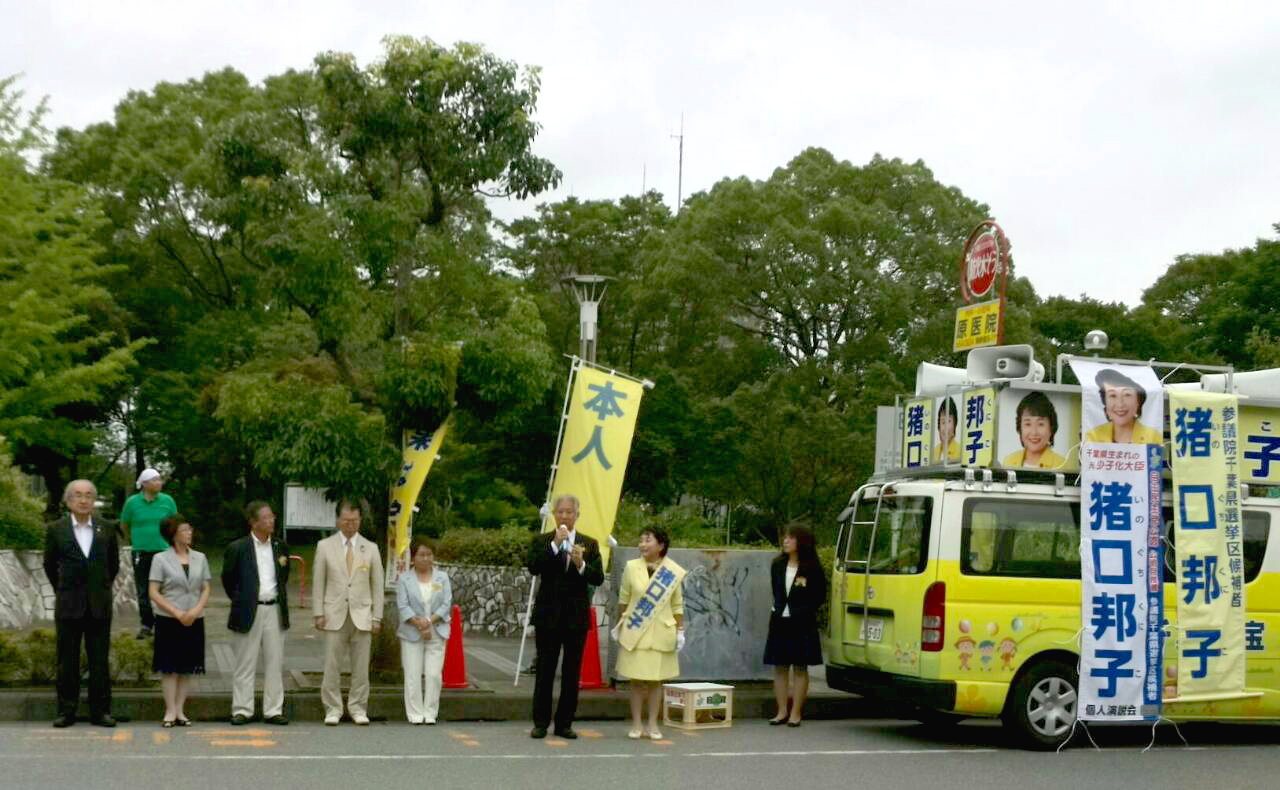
point(589, 290)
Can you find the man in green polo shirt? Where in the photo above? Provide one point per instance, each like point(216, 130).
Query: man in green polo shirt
point(140, 519)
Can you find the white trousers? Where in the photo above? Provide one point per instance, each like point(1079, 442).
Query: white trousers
point(346, 641)
point(422, 660)
point(265, 636)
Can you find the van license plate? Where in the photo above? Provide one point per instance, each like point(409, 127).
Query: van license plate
point(872, 629)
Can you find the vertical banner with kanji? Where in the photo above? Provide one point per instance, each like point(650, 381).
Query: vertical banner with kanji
point(1121, 564)
point(594, 449)
point(979, 421)
point(1207, 526)
point(420, 450)
point(917, 432)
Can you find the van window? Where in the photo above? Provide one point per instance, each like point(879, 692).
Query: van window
point(1256, 531)
point(1005, 537)
point(901, 536)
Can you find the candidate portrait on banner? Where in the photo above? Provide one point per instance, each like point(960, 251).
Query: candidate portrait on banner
point(1121, 404)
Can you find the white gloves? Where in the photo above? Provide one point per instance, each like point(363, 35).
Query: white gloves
point(679, 640)
point(616, 631)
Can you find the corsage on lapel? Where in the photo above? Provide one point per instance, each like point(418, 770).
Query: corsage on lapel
point(799, 582)
point(282, 560)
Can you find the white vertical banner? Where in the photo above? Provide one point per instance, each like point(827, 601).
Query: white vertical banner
point(1121, 571)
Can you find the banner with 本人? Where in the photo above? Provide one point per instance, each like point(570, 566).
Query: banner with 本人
point(1203, 440)
point(420, 451)
point(594, 449)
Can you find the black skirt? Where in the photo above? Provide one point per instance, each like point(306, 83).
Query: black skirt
point(791, 643)
point(179, 648)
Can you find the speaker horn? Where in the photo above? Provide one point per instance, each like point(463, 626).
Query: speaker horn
point(1264, 384)
point(1004, 363)
point(932, 380)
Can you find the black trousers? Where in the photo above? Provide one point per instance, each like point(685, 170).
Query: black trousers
point(141, 578)
point(550, 643)
point(96, 635)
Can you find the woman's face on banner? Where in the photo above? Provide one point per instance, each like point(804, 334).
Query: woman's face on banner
point(1035, 432)
point(1121, 404)
point(946, 428)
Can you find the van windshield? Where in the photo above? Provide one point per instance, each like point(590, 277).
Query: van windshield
point(901, 538)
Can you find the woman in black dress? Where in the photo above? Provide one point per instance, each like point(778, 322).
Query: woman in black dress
point(799, 589)
point(179, 589)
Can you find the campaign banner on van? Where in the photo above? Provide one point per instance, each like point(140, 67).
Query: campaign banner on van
point(1203, 439)
point(1119, 403)
point(1121, 570)
point(917, 432)
point(978, 435)
point(1260, 441)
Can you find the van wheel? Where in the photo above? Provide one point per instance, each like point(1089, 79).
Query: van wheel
point(1042, 705)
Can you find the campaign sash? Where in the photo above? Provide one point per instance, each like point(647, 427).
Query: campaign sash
point(639, 617)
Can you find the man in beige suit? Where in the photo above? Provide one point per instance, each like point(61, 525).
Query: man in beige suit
point(348, 608)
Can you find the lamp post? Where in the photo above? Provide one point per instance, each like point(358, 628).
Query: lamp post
point(588, 290)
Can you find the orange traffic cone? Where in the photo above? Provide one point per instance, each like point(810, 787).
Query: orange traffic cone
point(589, 677)
point(455, 661)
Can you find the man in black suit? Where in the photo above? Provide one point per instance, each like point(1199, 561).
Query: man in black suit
point(255, 574)
point(567, 563)
point(81, 559)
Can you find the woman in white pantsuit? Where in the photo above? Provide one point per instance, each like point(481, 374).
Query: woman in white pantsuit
point(424, 597)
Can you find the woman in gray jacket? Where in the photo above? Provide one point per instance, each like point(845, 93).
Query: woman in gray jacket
point(424, 598)
point(178, 587)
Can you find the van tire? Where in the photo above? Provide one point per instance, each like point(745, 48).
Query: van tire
point(1042, 705)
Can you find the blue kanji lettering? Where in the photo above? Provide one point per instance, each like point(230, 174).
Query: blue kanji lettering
point(975, 411)
point(1253, 631)
point(1268, 452)
point(1113, 671)
point(915, 420)
point(1192, 433)
point(1109, 505)
point(420, 440)
point(1207, 637)
point(664, 575)
point(1115, 550)
point(605, 403)
point(974, 446)
point(1200, 574)
point(1189, 494)
point(1114, 611)
point(594, 445)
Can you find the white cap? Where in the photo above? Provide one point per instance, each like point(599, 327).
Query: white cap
point(147, 474)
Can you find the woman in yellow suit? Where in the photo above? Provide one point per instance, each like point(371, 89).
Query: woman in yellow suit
point(1122, 401)
point(947, 448)
point(1037, 423)
point(650, 627)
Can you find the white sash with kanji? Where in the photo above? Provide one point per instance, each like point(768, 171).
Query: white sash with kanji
point(639, 617)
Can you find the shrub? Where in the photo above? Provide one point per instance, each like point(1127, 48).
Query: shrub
point(39, 657)
point(11, 664)
point(130, 659)
point(20, 526)
point(470, 546)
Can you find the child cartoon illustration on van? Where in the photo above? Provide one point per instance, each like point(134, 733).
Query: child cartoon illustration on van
point(988, 650)
point(1008, 649)
point(965, 645)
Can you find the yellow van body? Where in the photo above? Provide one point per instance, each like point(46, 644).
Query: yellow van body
point(965, 601)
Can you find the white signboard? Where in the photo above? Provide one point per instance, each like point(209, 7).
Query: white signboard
point(307, 508)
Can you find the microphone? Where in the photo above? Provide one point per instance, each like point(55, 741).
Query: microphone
point(565, 545)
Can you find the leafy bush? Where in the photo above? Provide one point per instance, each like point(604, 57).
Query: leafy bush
point(11, 664)
point(39, 657)
point(470, 546)
point(130, 659)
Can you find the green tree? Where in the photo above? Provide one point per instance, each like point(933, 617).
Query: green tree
point(63, 351)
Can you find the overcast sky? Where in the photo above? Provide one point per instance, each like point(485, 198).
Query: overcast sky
point(1107, 137)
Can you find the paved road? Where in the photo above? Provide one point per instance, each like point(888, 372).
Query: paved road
point(822, 754)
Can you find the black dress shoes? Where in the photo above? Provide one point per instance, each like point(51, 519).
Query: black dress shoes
point(239, 719)
point(64, 721)
point(538, 732)
point(279, 720)
point(105, 720)
point(567, 733)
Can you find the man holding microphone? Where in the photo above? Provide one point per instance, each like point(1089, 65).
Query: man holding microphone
point(567, 564)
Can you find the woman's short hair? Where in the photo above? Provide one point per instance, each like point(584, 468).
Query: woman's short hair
point(1117, 379)
point(948, 406)
point(418, 542)
point(1036, 404)
point(660, 535)
point(169, 527)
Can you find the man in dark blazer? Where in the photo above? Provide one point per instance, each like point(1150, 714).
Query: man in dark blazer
point(567, 564)
point(81, 559)
point(255, 574)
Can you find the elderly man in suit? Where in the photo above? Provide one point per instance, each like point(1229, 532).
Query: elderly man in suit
point(567, 563)
point(255, 575)
point(348, 605)
point(81, 559)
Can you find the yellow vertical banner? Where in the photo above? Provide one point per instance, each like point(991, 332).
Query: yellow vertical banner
point(977, 436)
point(420, 451)
point(1211, 598)
point(594, 449)
point(917, 432)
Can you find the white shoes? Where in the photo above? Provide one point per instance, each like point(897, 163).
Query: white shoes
point(331, 719)
point(360, 719)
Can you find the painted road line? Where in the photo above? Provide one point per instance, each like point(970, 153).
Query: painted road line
point(501, 663)
point(256, 743)
point(160, 738)
point(123, 736)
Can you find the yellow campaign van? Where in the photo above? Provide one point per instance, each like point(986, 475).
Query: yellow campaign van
point(956, 592)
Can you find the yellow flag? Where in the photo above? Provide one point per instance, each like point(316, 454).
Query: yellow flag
point(595, 448)
point(420, 450)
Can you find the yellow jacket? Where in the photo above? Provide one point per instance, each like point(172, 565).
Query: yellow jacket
point(1048, 459)
point(1142, 434)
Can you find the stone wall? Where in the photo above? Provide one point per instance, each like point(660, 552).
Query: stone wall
point(26, 597)
point(493, 599)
